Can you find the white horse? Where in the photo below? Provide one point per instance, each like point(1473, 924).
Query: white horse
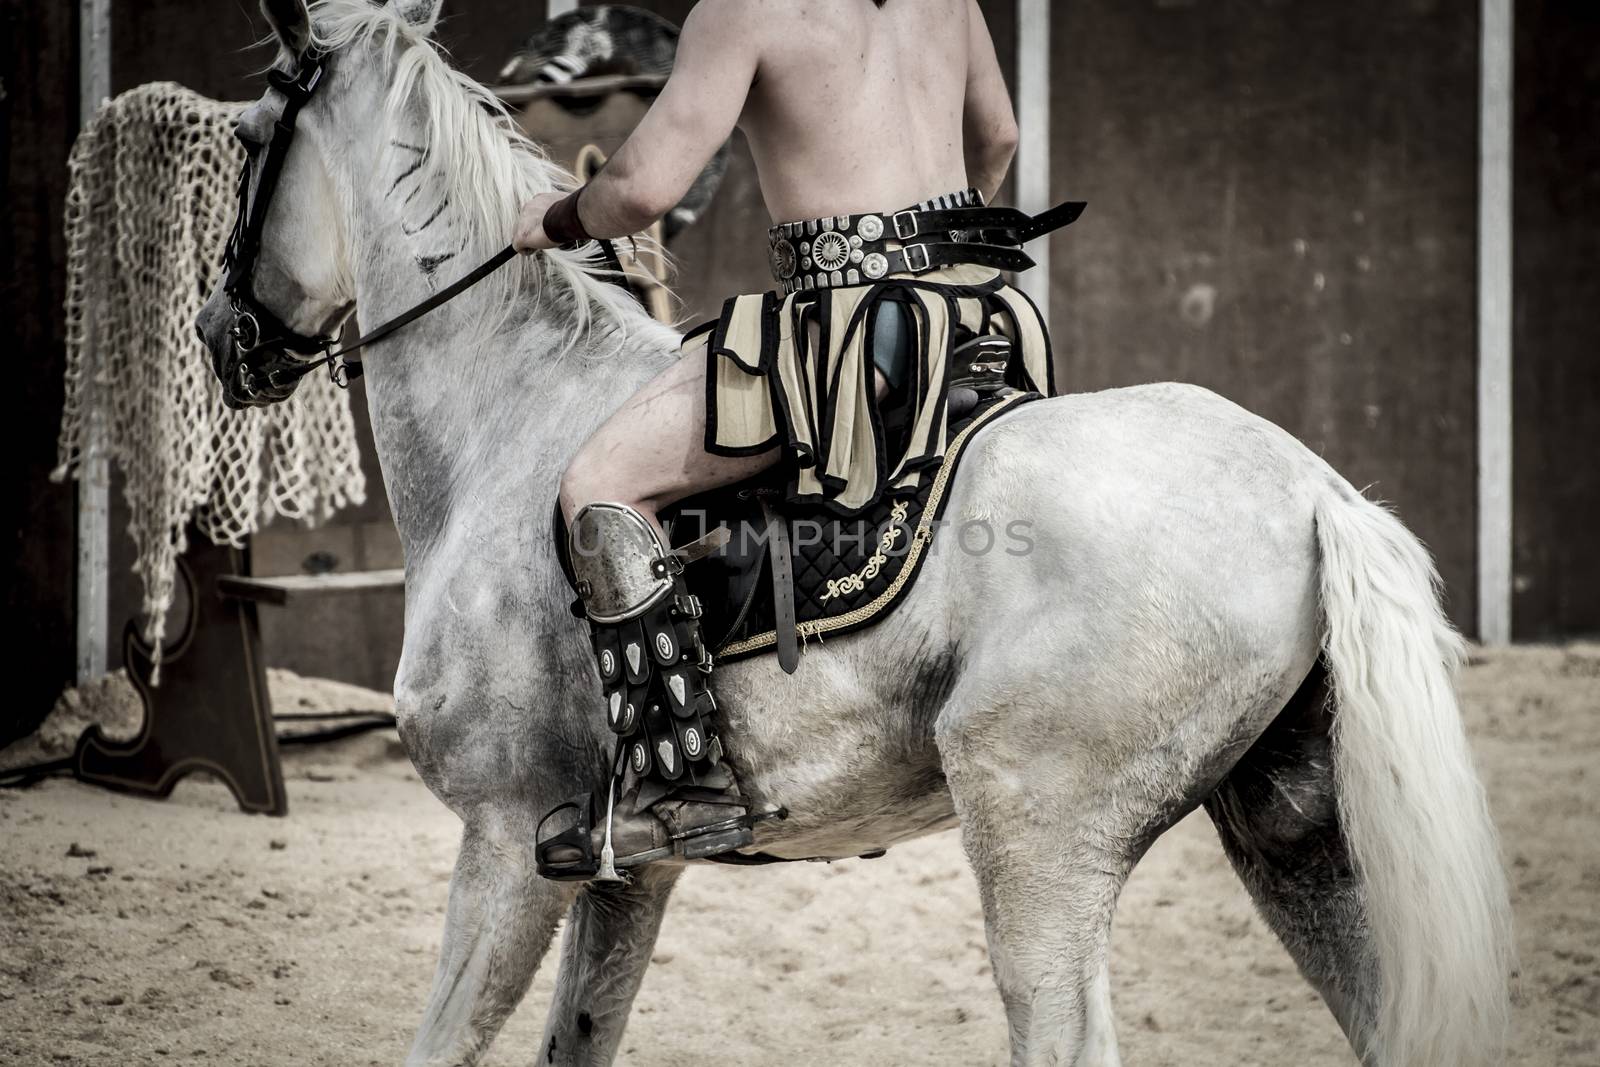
point(1197, 577)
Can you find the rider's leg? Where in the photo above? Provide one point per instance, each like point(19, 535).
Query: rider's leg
point(645, 629)
point(670, 792)
point(651, 453)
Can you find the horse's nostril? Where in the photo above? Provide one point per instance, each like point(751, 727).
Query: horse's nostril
point(200, 332)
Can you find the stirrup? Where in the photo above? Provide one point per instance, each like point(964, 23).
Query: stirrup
point(563, 849)
point(564, 844)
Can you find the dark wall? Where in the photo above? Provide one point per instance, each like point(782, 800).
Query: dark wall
point(38, 119)
point(1282, 206)
point(1556, 338)
point(212, 48)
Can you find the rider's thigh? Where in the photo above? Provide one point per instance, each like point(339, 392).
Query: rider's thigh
point(651, 452)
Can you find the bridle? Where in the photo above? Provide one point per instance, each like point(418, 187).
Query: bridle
point(257, 367)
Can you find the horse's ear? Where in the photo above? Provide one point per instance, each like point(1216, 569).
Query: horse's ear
point(291, 21)
point(423, 14)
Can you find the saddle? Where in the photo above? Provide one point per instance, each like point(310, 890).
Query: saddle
point(771, 575)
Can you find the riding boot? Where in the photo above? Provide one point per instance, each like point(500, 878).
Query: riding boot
point(669, 793)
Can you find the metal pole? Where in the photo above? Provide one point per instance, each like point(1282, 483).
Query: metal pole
point(94, 86)
point(1033, 138)
point(1494, 325)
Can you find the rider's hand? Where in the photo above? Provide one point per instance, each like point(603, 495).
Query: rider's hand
point(529, 236)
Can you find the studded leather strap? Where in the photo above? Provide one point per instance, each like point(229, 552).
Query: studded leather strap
point(859, 249)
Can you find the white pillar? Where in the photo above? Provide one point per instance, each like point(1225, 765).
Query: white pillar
point(94, 85)
point(559, 7)
point(1033, 141)
point(1494, 325)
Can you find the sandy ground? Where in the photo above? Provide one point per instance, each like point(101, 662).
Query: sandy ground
point(137, 932)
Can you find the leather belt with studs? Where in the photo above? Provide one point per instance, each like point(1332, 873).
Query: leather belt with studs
point(861, 249)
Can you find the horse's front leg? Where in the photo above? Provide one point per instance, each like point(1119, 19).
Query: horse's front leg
point(498, 926)
point(604, 952)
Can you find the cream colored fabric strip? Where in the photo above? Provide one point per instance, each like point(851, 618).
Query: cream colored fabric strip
point(743, 407)
point(742, 331)
point(928, 432)
point(797, 385)
point(852, 448)
point(1030, 339)
point(971, 309)
point(825, 393)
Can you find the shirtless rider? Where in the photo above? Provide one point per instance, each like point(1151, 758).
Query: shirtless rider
point(877, 126)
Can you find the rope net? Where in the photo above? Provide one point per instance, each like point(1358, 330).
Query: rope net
point(149, 209)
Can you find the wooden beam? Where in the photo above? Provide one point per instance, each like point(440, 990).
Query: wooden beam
point(281, 590)
point(601, 85)
point(94, 516)
point(1494, 324)
point(1033, 139)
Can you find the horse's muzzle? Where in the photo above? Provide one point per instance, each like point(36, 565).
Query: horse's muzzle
point(250, 375)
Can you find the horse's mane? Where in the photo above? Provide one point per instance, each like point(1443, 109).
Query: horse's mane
point(478, 165)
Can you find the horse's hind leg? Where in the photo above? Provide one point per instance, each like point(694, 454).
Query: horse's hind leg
point(500, 920)
point(604, 952)
point(1048, 900)
point(1277, 815)
point(1051, 851)
point(1059, 799)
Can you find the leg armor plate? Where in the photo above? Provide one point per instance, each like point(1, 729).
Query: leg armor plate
point(645, 629)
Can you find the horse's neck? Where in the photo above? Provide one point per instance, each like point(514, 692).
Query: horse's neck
point(484, 425)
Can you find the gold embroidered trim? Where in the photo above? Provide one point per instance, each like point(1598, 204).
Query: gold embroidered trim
point(919, 541)
point(854, 583)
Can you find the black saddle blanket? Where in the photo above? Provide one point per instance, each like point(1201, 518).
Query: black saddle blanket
point(848, 573)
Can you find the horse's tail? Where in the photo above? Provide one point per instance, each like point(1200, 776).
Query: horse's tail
point(1410, 804)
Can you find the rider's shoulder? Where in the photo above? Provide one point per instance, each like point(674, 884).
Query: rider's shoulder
point(743, 19)
point(706, 14)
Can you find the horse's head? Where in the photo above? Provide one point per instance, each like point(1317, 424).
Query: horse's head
point(286, 287)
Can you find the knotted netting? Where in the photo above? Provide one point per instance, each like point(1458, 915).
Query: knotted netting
point(149, 209)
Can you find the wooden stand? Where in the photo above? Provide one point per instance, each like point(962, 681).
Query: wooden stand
point(211, 711)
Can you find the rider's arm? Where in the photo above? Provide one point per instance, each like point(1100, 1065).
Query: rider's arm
point(695, 113)
point(988, 125)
